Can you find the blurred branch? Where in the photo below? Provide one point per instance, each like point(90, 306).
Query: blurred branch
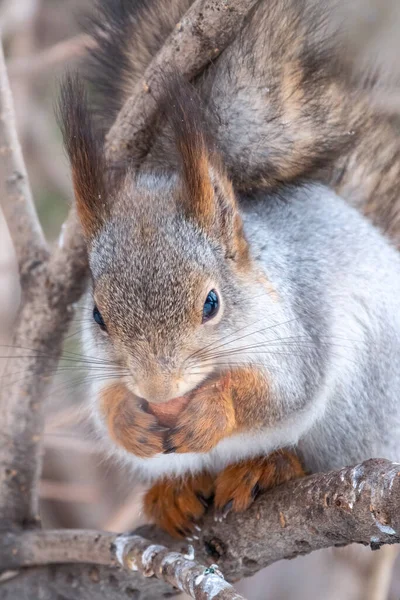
point(15, 193)
point(379, 580)
point(127, 516)
point(200, 36)
point(79, 493)
point(59, 54)
point(16, 15)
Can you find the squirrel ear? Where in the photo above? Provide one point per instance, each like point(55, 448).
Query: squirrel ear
point(207, 194)
point(210, 200)
point(197, 190)
point(185, 115)
point(228, 222)
point(85, 154)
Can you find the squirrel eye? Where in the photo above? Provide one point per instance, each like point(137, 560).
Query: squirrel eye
point(211, 306)
point(99, 319)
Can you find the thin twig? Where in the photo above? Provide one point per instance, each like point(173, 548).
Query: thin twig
point(57, 55)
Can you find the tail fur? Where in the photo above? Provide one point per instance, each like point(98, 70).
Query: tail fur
point(128, 33)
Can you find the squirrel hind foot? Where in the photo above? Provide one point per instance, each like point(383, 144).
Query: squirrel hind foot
point(238, 485)
point(176, 504)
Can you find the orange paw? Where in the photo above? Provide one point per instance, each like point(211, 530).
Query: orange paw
point(139, 433)
point(207, 419)
point(237, 486)
point(175, 504)
point(130, 425)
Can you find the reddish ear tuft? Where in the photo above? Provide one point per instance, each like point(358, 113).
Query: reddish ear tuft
point(85, 154)
point(186, 117)
point(198, 189)
point(207, 194)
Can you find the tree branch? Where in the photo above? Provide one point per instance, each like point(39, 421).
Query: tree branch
point(50, 287)
point(15, 192)
point(200, 36)
point(357, 504)
point(81, 582)
point(35, 548)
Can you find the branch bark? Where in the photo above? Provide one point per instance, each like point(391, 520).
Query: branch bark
point(130, 551)
point(200, 36)
point(50, 286)
point(357, 504)
point(15, 192)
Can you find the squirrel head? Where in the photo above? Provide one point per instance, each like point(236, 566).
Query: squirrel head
point(168, 257)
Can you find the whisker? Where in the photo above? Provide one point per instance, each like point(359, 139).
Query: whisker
point(60, 370)
point(48, 374)
point(83, 381)
point(307, 343)
point(228, 335)
point(298, 354)
point(66, 355)
point(269, 328)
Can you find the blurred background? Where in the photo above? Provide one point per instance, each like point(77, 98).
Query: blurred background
point(80, 488)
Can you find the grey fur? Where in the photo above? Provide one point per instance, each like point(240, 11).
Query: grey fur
point(342, 279)
point(330, 329)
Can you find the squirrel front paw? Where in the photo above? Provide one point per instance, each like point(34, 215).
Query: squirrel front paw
point(176, 504)
point(237, 486)
point(206, 420)
point(130, 425)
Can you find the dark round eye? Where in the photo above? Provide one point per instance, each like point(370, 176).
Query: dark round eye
point(99, 319)
point(211, 306)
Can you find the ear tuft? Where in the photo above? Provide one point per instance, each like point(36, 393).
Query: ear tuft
point(186, 116)
point(85, 153)
point(207, 193)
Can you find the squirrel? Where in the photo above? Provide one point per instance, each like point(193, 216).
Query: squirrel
point(246, 319)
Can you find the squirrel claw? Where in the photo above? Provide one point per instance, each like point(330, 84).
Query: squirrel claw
point(169, 448)
point(224, 511)
point(206, 502)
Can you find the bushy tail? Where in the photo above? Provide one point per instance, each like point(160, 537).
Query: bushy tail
point(127, 34)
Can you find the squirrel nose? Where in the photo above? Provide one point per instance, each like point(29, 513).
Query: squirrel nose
point(155, 390)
